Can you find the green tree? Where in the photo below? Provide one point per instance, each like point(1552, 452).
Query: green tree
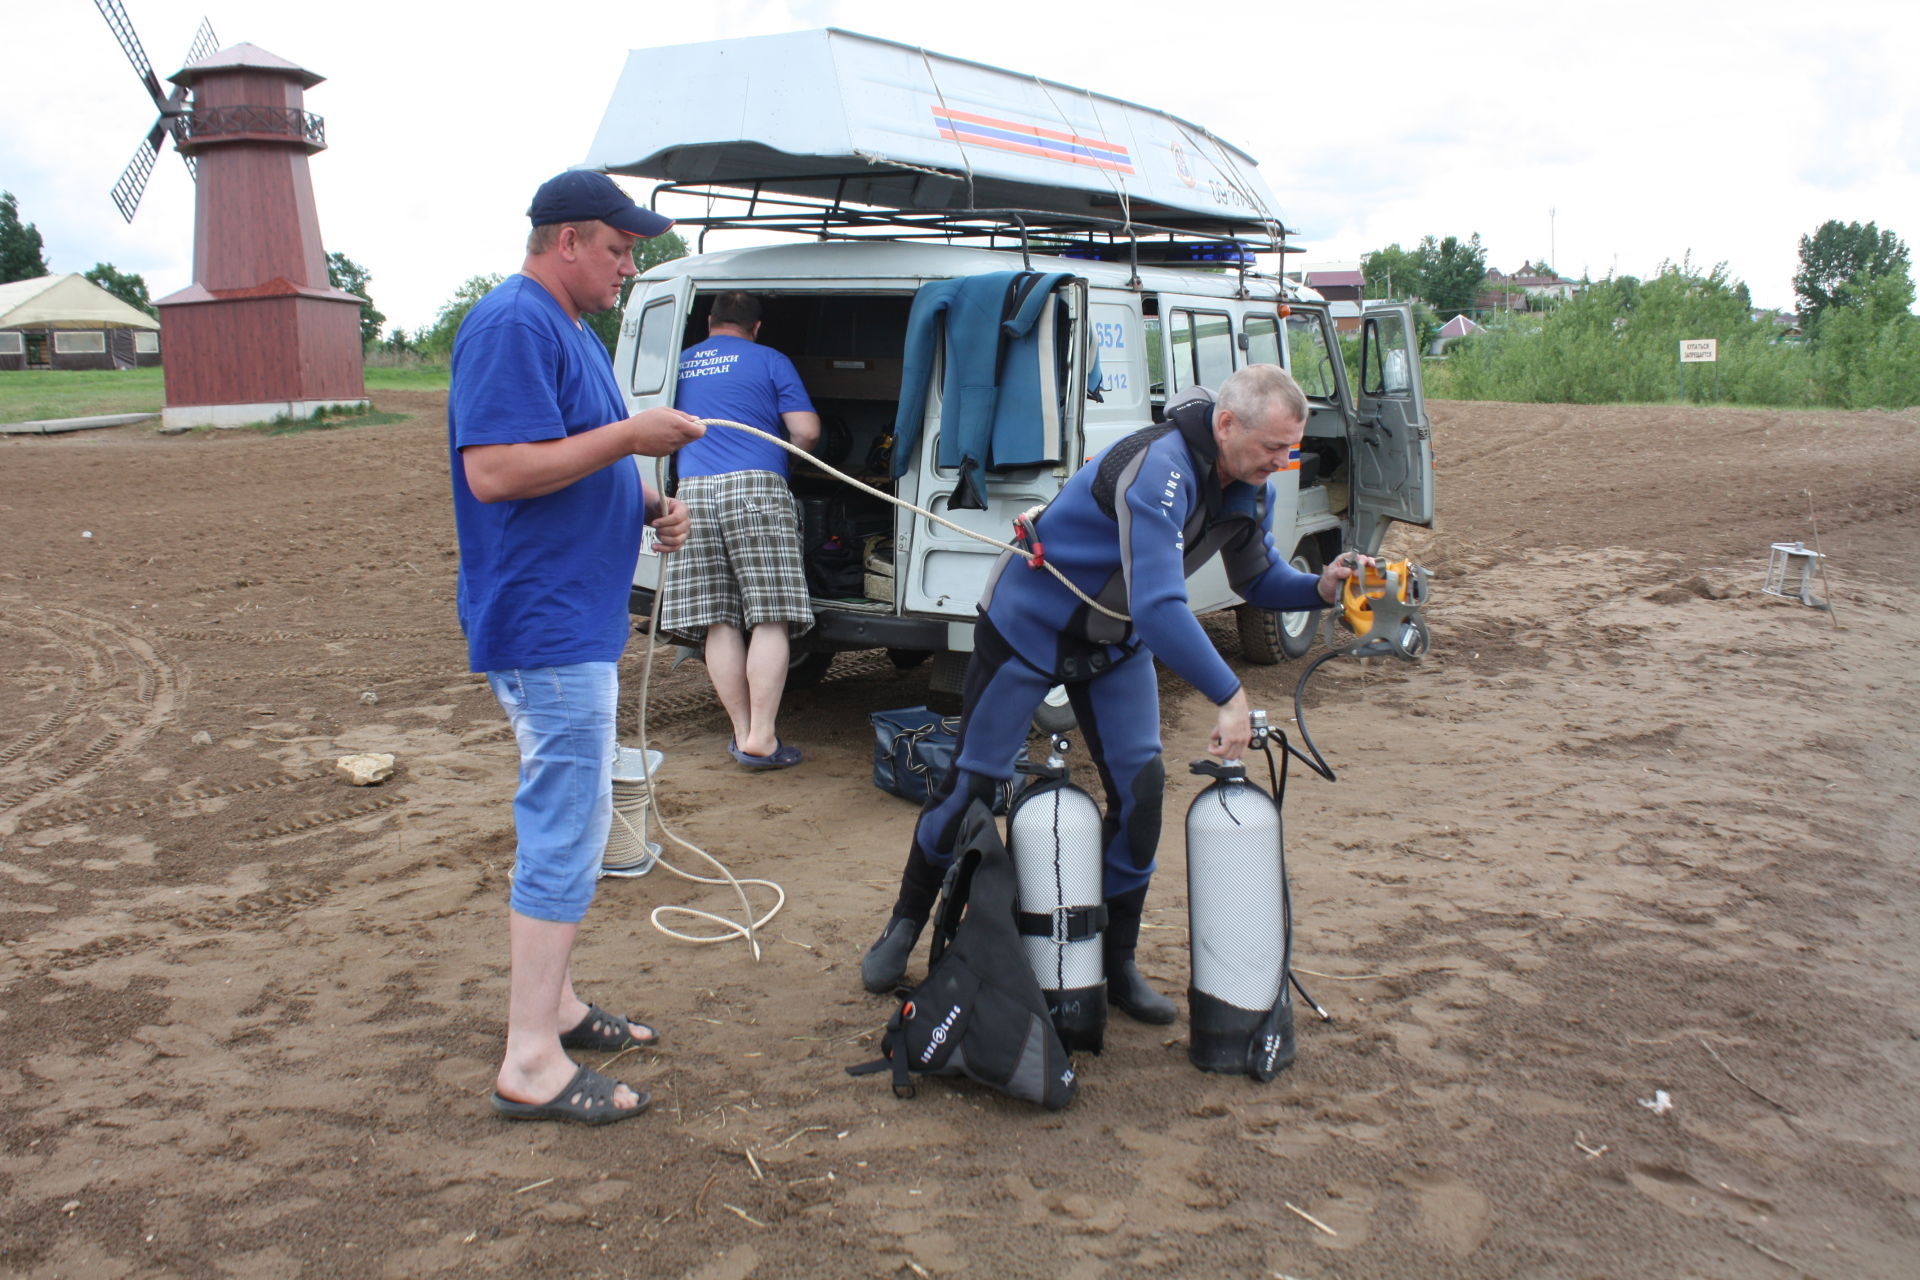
point(20, 244)
point(1617, 341)
point(437, 340)
point(349, 276)
point(1452, 272)
point(127, 286)
point(1392, 272)
point(1832, 261)
point(1867, 346)
point(647, 254)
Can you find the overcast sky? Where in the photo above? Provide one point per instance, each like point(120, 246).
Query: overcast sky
point(1607, 137)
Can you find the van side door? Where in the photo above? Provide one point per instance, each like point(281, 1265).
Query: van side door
point(1391, 438)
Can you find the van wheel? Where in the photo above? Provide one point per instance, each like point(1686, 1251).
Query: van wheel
point(1266, 636)
point(1055, 712)
point(806, 668)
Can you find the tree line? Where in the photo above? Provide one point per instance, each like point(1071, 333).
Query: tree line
point(436, 340)
point(1854, 344)
point(1857, 342)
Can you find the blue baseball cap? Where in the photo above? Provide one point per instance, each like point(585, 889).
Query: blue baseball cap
point(580, 195)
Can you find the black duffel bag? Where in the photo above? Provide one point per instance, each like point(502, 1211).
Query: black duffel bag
point(912, 751)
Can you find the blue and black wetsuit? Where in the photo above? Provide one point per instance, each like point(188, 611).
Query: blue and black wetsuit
point(1127, 528)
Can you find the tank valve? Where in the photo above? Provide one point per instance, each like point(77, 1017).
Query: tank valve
point(1060, 748)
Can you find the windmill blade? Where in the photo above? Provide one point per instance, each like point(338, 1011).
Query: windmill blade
point(122, 26)
point(204, 43)
point(133, 181)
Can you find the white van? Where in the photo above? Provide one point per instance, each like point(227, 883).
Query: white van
point(1151, 309)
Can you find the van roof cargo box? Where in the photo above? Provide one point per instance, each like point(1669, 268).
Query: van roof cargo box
point(817, 122)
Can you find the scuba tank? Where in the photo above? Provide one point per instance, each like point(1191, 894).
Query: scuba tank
point(1240, 926)
point(1239, 906)
point(1054, 832)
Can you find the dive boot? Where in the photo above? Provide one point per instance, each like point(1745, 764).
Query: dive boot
point(1128, 992)
point(885, 963)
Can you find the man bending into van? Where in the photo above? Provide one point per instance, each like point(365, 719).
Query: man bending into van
point(1128, 528)
point(740, 581)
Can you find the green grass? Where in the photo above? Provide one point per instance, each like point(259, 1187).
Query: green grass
point(322, 421)
point(35, 394)
point(419, 377)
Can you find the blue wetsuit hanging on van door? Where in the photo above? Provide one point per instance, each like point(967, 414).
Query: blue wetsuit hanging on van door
point(1001, 396)
point(1128, 528)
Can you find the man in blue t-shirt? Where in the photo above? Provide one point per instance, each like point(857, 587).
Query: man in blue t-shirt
point(548, 507)
point(741, 583)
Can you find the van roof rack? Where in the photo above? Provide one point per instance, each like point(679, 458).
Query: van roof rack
point(1047, 231)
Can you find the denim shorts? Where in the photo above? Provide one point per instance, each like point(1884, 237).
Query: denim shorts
point(562, 718)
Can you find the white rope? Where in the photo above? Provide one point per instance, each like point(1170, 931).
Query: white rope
point(953, 126)
point(729, 928)
point(904, 505)
point(1126, 207)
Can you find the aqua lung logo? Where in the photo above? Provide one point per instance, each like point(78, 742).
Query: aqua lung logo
point(1173, 488)
point(1269, 1051)
point(939, 1036)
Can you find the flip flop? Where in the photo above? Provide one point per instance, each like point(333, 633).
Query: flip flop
point(587, 1099)
point(783, 757)
point(603, 1032)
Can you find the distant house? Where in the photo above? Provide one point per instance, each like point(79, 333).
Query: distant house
point(1452, 331)
point(1519, 291)
point(69, 322)
point(1342, 284)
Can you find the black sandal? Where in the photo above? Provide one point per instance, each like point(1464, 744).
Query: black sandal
point(587, 1099)
point(603, 1032)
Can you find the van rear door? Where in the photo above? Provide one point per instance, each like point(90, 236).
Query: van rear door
point(647, 363)
point(1391, 439)
point(942, 572)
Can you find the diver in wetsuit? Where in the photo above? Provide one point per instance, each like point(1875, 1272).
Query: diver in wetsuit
point(1128, 529)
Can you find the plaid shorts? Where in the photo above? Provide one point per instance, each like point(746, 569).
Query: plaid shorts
point(741, 565)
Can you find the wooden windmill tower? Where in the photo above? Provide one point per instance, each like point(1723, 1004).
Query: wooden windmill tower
point(261, 332)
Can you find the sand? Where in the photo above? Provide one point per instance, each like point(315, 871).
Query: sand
point(1633, 827)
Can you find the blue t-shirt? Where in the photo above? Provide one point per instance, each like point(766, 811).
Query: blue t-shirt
point(741, 381)
point(543, 581)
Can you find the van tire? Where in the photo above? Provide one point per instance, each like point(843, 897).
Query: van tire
point(1266, 636)
point(1054, 717)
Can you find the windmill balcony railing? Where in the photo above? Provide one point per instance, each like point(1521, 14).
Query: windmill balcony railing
point(205, 123)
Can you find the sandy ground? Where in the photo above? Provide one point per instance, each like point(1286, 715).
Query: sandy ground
point(1632, 826)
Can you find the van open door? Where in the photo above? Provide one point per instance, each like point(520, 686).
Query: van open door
point(1391, 440)
point(647, 364)
point(942, 573)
